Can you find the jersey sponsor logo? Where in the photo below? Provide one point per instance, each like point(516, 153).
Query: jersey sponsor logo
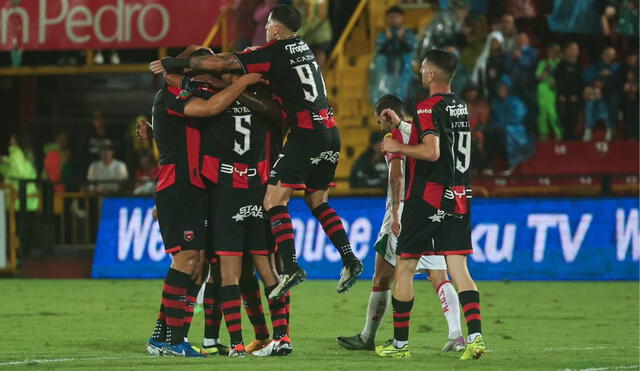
point(299, 47)
point(423, 111)
point(189, 235)
point(457, 110)
point(249, 211)
point(230, 169)
point(327, 156)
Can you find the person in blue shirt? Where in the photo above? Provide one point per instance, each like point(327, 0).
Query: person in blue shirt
point(508, 114)
point(520, 65)
point(392, 71)
point(601, 95)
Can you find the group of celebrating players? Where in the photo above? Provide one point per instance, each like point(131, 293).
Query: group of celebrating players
point(226, 178)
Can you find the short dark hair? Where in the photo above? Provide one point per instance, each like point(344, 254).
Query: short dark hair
point(288, 16)
point(201, 52)
point(444, 60)
point(395, 10)
point(392, 102)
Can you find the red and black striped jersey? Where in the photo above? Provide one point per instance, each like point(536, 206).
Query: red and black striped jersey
point(291, 67)
point(446, 183)
point(236, 147)
point(177, 137)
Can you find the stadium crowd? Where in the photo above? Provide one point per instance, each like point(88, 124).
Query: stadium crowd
point(529, 71)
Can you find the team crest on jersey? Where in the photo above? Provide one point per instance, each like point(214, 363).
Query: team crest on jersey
point(189, 235)
point(184, 94)
point(327, 156)
point(250, 211)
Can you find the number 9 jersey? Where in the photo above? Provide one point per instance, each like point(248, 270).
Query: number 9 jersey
point(292, 69)
point(446, 183)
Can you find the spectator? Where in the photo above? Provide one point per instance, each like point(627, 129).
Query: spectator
point(602, 94)
point(444, 29)
point(626, 23)
point(569, 85)
point(146, 174)
point(474, 33)
point(391, 71)
point(19, 165)
point(520, 65)
point(370, 169)
point(508, 115)
point(478, 120)
point(629, 104)
point(547, 114)
point(316, 28)
point(107, 169)
point(99, 135)
point(507, 29)
point(489, 66)
point(16, 167)
point(57, 165)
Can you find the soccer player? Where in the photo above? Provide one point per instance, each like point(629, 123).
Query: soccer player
point(437, 201)
point(385, 246)
point(310, 155)
point(236, 162)
point(181, 202)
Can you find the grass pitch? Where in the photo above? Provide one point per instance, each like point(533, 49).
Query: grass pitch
point(96, 324)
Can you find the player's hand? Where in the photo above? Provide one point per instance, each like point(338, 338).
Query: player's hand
point(156, 67)
point(390, 145)
point(391, 116)
point(143, 130)
point(250, 79)
point(154, 214)
point(395, 222)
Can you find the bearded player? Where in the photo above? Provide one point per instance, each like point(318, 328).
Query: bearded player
point(310, 156)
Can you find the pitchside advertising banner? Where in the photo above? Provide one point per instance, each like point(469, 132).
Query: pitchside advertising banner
point(516, 239)
point(92, 24)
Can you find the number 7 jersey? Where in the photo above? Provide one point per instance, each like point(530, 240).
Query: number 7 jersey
point(297, 80)
point(446, 183)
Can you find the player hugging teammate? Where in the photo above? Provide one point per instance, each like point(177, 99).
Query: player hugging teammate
point(234, 152)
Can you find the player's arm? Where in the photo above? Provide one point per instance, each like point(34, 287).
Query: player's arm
point(396, 184)
point(428, 149)
point(218, 63)
point(265, 107)
point(199, 107)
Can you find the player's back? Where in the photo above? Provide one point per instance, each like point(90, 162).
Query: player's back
point(236, 147)
point(444, 115)
point(291, 67)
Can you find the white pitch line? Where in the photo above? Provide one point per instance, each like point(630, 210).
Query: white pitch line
point(604, 368)
point(27, 361)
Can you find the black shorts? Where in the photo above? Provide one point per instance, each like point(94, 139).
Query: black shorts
point(308, 160)
point(428, 231)
point(454, 236)
point(238, 224)
point(182, 216)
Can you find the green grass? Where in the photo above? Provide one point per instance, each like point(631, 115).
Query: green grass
point(527, 325)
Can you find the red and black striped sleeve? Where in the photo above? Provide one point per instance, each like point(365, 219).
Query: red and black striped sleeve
point(426, 111)
point(257, 59)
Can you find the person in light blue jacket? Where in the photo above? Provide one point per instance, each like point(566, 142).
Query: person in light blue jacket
point(508, 114)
